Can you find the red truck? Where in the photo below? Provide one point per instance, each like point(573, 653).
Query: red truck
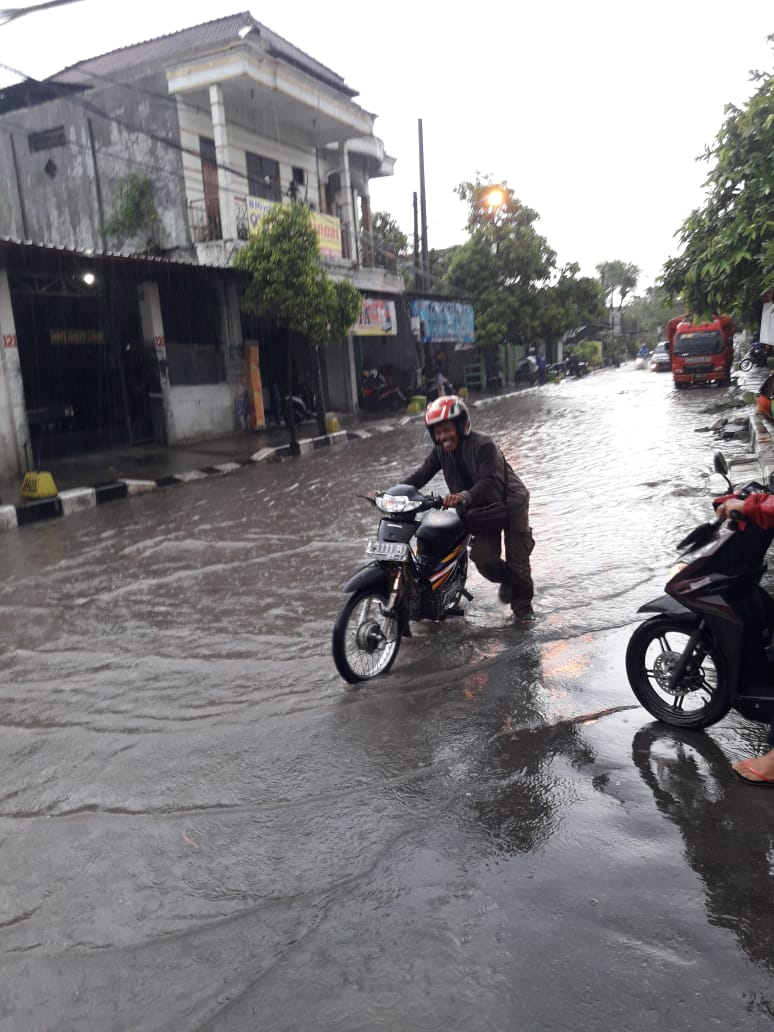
point(701, 352)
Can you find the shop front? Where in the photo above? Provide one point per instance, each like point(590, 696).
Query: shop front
point(102, 351)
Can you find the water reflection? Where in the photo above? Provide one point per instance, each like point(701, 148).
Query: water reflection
point(725, 826)
point(499, 741)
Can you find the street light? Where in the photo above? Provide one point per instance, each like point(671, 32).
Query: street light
point(494, 199)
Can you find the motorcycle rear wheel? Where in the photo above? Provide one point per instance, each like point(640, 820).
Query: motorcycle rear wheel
point(746, 365)
point(701, 697)
point(365, 641)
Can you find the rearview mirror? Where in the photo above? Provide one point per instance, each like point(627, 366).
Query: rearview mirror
point(721, 466)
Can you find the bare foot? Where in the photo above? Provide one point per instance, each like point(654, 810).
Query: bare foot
point(758, 771)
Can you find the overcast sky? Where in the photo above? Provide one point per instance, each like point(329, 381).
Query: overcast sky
point(593, 112)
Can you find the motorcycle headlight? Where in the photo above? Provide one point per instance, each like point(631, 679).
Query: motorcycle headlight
point(397, 503)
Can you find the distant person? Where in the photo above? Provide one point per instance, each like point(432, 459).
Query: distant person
point(442, 385)
point(542, 366)
point(496, 373)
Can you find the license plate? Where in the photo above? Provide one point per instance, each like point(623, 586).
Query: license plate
point(395, 550)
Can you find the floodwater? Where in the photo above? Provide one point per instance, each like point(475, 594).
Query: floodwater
point(202, 827)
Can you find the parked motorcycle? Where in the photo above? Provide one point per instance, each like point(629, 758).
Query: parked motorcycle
point(708, 649)
point(576, 367)
point(405, 580)
point(758, 355)
point(300, 407)
point(378, 394)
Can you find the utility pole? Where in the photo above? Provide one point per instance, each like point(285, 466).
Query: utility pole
point(423, 210)
point(418, 278)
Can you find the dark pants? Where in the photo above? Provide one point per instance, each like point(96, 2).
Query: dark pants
point(515, 571)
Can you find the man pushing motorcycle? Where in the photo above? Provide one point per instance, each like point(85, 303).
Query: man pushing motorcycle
point(477, 475)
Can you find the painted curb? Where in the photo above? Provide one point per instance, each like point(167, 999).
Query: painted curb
point(8, 517)
point(78, 499)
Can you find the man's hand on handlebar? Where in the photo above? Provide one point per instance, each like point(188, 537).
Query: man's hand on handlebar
point(730, 508)
point(453, 500)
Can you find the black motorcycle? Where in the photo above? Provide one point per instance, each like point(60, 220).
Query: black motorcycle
point(708, 649)
point(405, 580)
point(758, 355)
point(378, 394)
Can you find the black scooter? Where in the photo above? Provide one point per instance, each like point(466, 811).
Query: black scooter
point(758, 355)
point(708, 649)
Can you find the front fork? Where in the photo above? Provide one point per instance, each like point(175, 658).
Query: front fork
point(393, 608)
point(682, 664)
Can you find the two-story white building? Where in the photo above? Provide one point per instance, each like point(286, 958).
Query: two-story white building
point(170, 149)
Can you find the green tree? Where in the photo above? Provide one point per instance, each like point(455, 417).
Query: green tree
point(134, 213)
point(389, 239)
point(290, 286)
point(568, 302)
point(617, 277)
point(501, 265)
point(727, 260)
point(647, 314)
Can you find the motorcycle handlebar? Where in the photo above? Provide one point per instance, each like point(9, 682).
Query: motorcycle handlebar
point(427, 501)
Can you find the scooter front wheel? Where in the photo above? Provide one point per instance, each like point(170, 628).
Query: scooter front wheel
point(701, 697)
point(746, 365)
point(365, 639)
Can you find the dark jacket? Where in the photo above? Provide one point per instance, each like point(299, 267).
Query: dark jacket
point(477, 469)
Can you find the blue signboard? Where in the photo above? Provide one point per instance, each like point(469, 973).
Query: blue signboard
point(442, 322)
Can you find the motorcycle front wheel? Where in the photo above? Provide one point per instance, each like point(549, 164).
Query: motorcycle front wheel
point(365, 640)
point(702, 695)
point(746, 365)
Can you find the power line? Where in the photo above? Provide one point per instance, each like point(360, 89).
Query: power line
point(9, 14)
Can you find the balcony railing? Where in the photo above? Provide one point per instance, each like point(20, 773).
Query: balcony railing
point(374, 255)
point(205, 225)
point(203, 221)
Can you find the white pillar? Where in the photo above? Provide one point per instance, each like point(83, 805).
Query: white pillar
point(153, 333)
point(223, 157)
point(352, 376)
point(349, 207)
point(15, 453)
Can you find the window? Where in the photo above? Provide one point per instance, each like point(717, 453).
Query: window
point(210, 182)
point(263, 177)
point(297, 187)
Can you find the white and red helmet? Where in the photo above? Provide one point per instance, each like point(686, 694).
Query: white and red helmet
point(448, 409)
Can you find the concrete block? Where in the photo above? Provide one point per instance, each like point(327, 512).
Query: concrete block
point(8, 517)
point(263, 455)
point(32, 512)
point(77, 499)
point(110, 492)
point(135, 487)
point(187, 478)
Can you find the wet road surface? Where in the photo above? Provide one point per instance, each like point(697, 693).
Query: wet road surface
point(201, 827)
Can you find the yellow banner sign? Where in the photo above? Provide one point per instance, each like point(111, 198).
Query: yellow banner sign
point(328, 227)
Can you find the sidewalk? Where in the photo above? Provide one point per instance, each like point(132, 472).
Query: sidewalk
point(87, 480)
